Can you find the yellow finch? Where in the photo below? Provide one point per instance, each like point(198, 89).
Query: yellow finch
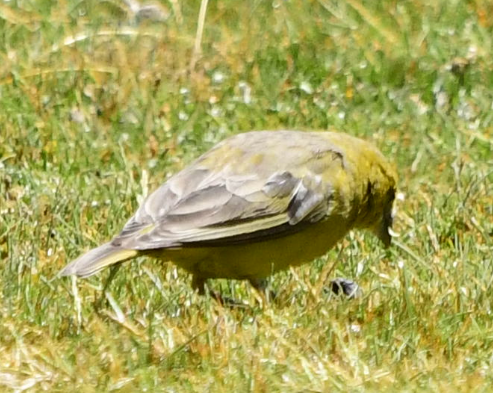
point(257, 203)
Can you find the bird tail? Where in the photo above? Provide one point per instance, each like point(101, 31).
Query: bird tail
point(96, 260)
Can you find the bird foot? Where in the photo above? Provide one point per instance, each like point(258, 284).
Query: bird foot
point(226, 301)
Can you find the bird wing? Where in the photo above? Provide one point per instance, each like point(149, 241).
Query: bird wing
point(228, 212)
point(219, 202)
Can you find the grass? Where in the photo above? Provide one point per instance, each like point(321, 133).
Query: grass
point(100, 105)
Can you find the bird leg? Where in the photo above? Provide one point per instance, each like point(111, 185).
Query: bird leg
point(261, 285)
point(198, 284)
point(113, 270)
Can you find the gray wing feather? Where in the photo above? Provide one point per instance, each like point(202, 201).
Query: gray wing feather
point(200, 205)
point(310, 201)
point(233, 212)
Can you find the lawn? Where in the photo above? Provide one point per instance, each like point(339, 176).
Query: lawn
point(102, 101)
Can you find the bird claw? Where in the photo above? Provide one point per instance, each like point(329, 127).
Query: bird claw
point(226, 301)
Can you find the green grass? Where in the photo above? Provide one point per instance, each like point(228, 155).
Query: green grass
point(87, 128)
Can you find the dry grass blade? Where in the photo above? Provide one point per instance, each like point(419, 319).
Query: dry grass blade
point(18, 17)
point(198, 36)
point(33, 73)
point(88, 35)
point(374, 21)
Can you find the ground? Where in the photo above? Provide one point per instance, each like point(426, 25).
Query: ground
point(101, 102)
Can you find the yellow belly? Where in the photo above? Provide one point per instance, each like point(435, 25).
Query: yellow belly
point(261, 259)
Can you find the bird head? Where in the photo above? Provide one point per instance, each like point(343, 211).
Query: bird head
point(383, 225)
point(376, 211)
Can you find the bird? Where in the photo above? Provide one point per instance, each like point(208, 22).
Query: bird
point(257, 203)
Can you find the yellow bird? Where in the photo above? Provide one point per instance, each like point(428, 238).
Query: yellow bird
point(257, 203)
